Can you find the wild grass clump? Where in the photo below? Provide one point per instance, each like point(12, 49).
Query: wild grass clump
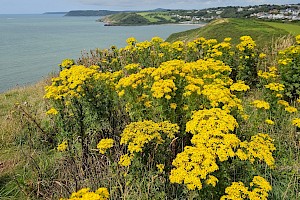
point(158, 120)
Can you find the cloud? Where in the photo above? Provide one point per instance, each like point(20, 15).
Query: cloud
point(184, 4)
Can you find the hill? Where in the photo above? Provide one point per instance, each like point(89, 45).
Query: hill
point(235, 28)
point(292, 28)
point(91, 12)
point(55, 13)
point(125, 19)
point(138, 18)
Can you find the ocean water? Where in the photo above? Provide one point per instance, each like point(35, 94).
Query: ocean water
point(32, 46)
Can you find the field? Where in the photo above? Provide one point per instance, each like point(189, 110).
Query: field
point(155, 17)
point(293, 29)
point(234, 28)
point(139, 18)
point(201, 119)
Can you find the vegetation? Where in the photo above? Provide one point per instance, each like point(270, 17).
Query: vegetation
point(292, 28)
point(90, 12)
point(139, 18)
point(221, 28)
point(205, 119)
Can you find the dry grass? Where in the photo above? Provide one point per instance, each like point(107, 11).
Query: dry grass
point(11, 126)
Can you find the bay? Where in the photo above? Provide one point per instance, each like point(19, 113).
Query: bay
point(32, 46)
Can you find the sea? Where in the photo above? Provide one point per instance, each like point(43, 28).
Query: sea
point(32, 45)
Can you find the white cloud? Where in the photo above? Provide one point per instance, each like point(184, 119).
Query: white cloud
point(184, 4)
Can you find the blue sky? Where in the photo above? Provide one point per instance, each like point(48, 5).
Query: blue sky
point(40, 6)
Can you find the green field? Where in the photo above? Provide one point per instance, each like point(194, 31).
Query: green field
point(294, 29)
point(139, 18)
point(155, 17)
point(235, 28)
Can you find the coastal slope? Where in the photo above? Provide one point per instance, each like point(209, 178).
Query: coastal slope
point(235, 28)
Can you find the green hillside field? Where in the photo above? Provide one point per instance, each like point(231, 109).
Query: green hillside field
point(293, 29)
point(219, 29)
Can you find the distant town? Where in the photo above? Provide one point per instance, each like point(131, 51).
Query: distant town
point(289, 12)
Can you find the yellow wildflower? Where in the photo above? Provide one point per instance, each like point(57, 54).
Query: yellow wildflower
point(105, 144)
point(284, 103)
point(160, 167)
point(52, 111)
point(125, 160)
point(261, 104)
point(275, 86)
point(296, 122)
point(290, 109)
point(238, 191)
point(262, 55)
point(131, 41)
point(137, 134)
point(62, 146)
point(86, 194)
point(268, 121)
point(173, 105)
point(212, 180)
point(298, 39)
point(66, 63)
point(239, 86)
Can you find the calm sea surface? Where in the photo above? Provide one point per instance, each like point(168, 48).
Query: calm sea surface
point(32, 46)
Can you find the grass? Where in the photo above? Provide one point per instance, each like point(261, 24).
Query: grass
point(235, 28)
point(140, 18)
point(156, 16)
point(293, 29)
point(12, 135)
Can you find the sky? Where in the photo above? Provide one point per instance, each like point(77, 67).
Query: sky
point(41, 6)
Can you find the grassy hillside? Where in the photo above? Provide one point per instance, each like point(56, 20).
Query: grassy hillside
point(125, 19)
point(16, 132)
point(235, 28)
point(293, 29)
point(139, 18)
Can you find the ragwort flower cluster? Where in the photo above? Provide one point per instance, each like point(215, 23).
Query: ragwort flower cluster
point(260, 188)
point(142, 135)
point(86, 194)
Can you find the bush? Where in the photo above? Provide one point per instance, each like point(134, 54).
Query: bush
point(158, 120)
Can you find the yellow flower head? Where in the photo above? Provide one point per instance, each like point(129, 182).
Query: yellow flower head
point(103, 192)
point(160, 167)
point(173, 106)
point(275, 87)
point(262, 55)
point(67, 63)
point(290, 109)
point(239, 86)
point(212, 180)
point(298, 39)
point(131, 41)
point(125, 160)
point(261, 104)
point(105, 144)
point(283, 102)
point(268, 121)
point(246, 43)
point(62, 146)
point(296, 122)
point(52, 111)
point(86, 194)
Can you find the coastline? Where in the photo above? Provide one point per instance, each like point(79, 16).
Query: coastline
point(45, 43)
point(158, 24)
